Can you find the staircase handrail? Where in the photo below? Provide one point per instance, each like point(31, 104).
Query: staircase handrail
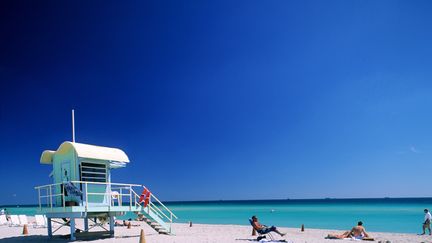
point(163, 205)
point(154, 206)
point(158, 211)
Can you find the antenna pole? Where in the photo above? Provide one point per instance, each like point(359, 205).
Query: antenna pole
point(73, 125)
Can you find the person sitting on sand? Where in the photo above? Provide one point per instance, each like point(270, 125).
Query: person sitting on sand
point(263, 229)
point(357, 232)
point(427, 221)
point(116, 223)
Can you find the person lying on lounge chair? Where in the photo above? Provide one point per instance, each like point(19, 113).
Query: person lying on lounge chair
point(264, 229)
point(357, 232)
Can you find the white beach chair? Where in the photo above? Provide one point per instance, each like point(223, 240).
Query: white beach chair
point(115, 195)
point(3, 220)
point(41, 221)
point(15, 220)
point(23, 219)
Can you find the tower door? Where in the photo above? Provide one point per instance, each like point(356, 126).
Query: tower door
point(65, 176)
point(65, 171)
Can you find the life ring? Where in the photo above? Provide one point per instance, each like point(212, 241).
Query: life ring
point(145, 197)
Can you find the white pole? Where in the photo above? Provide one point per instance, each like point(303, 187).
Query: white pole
point(73, 125)
point(73, 140)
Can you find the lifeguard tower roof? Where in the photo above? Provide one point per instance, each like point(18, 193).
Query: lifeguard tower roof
point(85, 151)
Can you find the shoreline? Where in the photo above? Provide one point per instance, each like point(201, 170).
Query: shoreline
point(386, 215)
point(198, 233)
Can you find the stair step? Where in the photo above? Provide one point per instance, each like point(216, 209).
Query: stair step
point(152, 223)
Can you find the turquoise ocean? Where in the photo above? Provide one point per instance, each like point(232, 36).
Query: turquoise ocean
point(403, 215)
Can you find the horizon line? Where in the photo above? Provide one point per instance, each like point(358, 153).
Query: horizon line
point(243, 200)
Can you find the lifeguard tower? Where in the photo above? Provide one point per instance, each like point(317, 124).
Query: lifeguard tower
point(82, 188)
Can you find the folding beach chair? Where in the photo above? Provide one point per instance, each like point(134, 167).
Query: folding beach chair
point(115, 195)
point(41, 221)
point(261, 235)
point(23, 219)
point(15, 220)
point(3, 220)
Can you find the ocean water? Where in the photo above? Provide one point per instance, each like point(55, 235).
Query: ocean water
point(403, 215)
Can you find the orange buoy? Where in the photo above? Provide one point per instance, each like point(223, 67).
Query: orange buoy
point(25, 230)
point(142, 237)
point(145, 197)
point(302, 227)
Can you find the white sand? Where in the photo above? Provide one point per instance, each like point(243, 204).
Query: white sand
point(199, 233)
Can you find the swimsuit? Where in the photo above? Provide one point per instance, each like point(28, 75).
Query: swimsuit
point(266, 230)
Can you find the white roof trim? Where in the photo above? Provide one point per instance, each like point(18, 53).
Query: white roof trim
point(87, 151)
point(47, 156)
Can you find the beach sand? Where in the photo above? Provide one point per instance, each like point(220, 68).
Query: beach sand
point(198, 233)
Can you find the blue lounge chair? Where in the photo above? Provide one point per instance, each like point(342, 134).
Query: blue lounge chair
point(261, 235)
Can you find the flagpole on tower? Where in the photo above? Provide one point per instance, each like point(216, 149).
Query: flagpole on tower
point(73, 125)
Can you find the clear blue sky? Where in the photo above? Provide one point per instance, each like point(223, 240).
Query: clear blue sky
point(223, 99)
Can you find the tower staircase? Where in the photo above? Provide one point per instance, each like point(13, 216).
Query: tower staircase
point(154, 213)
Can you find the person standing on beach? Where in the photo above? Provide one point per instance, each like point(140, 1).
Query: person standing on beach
point(427, 221)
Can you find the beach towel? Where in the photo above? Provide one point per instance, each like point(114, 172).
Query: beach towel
point(355, 239)
point(72, 190)
point(268, 241)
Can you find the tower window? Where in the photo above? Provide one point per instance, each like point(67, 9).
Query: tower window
point(93, 172)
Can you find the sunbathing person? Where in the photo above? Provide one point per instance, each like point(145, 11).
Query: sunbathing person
point(117, 223)
point(357, 232)
point(264, 229)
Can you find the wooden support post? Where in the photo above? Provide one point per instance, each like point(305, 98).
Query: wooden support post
point(72, 229)
point(111, 223)
point(86, 228)
point(49, 228)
